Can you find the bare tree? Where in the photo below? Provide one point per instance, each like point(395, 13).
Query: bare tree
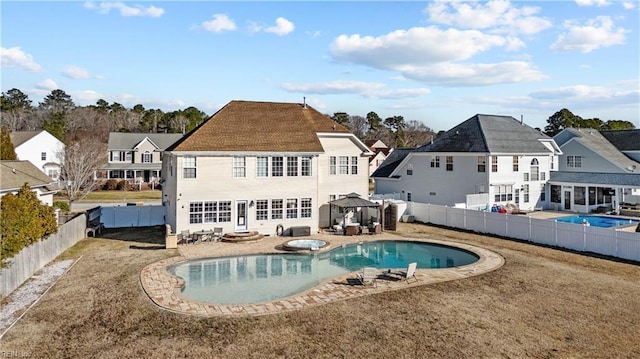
point(358, 126)
point(80, 159)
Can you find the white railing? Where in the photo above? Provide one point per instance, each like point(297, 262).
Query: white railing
point(606, 241)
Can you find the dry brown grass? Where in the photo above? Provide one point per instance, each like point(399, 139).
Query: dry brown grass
point(543, 303)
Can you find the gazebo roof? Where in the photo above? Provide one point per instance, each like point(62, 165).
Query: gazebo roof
point(353, 200)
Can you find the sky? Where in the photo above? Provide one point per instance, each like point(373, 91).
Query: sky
point(436, 62)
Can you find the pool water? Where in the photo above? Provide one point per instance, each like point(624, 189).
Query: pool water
point(262, 278)
point(598, 221)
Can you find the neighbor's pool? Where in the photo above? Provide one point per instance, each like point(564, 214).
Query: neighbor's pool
point(262, 278)
point(598, 221)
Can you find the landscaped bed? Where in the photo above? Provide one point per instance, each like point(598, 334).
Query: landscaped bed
point(542, 303)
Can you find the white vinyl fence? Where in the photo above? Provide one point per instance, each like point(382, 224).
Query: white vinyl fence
point(132, 216)
point(33, 258)
point(606, 241)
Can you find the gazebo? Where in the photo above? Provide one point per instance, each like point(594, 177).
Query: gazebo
point(354, 202)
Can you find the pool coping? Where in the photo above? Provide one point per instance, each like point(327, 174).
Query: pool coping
point(164, 289)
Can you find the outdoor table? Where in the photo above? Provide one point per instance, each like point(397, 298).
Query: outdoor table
point(203, 235)
point(352, 229)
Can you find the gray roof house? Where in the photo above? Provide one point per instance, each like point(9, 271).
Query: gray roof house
point(137, 157)
point(593, 174)
point(497, 158)
point(627, 141)
point(14, 174)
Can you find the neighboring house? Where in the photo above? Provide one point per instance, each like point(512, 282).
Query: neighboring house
point(592, 174)
point(15, 174)
point(485, 160)
point(253, 166)
point(380, 150)
point(41, 148)
point(137, 157)
point(627, 141)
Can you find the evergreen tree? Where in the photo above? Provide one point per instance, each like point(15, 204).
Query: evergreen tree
point(24, 221)
point(7, 151)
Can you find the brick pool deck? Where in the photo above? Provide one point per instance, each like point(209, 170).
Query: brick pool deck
point(164, 289)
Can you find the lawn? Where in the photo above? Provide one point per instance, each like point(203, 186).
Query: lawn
point(543, 303)
point(118, 196)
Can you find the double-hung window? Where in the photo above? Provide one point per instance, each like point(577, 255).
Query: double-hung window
point(189, 167)
point(332, 165)
point(305, 167)
point(494, 163)
point(239, 167)
point(292, 166)
point(262, 210)
point(435, 162)
point(354, 165)
point(343, 165)
point(262, 166)
point(305, 208)
point(277, 164)
point(482, 164)
point(449, 160)
point(515, 164)
point(292, 208)
point(276, 209)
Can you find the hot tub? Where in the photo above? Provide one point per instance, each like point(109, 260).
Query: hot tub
point(304, 245)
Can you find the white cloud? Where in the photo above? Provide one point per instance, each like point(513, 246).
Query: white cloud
point(334, 87)
point(593, 2)
point(125, 10)
point(282, 27)
point(454, 74)
point(220, 23)
point(596, 33)
point(78, 73)
point(398, 93)
point(621, 93)
point(628, 5)
point(366, 89)
point(431, 55)
point(47, 84)
point(15, 57)
point(416, 46)
point(498, 16)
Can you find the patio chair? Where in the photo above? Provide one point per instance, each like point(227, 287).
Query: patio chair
point(409, 273)
point(217, 234)
point(368, 276)
point(185, 237)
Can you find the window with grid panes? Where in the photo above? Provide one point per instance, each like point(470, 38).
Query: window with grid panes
point(262, 210)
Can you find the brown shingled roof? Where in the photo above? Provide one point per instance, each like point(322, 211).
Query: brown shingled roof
point(16, 173)
point(260, 127)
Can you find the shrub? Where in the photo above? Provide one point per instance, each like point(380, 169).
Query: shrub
point(24, 221)
point(122, 185)
point(63, 206)
point(110, 185)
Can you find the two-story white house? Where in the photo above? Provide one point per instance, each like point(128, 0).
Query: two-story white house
point(485, 160)
point(137, 157)
point(593, 174)
point(41, 148)
point(253, 166)
point(380, 150)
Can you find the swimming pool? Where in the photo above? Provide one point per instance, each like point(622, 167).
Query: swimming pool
point(262, 278)
point(598, 221)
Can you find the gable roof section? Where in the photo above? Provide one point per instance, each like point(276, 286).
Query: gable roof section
point(596, 142)
point(624, 140)
point(128, 141)
point(247, 126)
point(20, 137)
point(389, 165)
point(489, 134)
point(14, 174)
